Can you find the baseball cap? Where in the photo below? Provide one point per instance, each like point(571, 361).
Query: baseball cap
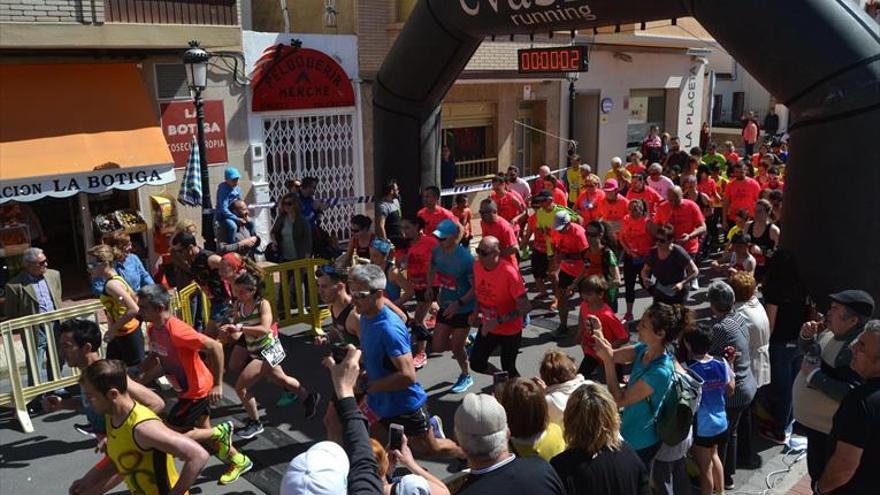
point(561, 219)
point(381, 245)
point(232, 173)
point(445, 229)
point(610, 185)
point(321, 470)
point(857, 300)
point(480, 415)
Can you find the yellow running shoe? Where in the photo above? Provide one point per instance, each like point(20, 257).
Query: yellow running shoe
point(236, 469)
point(222, 434)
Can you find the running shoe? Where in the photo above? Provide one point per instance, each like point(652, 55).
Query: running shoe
point(420, 360)
point(464, 382)
point(85, 429)
point(238, 467)
point(286, 399)
point(437, 427)
point(695, 284)
point(222, 434)
point(252, 428)
point(311, 404)
point(769, 434)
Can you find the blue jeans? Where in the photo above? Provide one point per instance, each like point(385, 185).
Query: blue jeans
point(785, 364)
point(230, 227)
point(41, 360)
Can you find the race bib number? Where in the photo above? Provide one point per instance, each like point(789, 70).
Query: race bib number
point(488, 312)
point(274, 353)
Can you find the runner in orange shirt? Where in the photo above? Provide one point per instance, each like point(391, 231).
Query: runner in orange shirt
point(463, 213)
point(742, 192)
point(433, 213)
point(687, 221)
point(637, 243)
point(511, 205)
point(588, 202)
point(492, 224)
point(638, 190)
point(559, 195)
point(773, 181)
point(613, 207)
point(570, 245)
point(417, 261)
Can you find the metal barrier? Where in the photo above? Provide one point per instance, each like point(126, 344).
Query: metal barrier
point(184, 307)
point(301, 308)
point(26, 326)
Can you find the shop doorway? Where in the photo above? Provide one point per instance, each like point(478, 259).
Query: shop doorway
point(586, 128)
point(530, 144)
point(63, 241)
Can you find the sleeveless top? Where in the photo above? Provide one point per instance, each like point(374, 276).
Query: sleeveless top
point(362, 251)
point(254, 344)
point(392, 290)
point(207, 278)
point(340, 334)
point(764, 242)
point(116, 309)
point(146, 472)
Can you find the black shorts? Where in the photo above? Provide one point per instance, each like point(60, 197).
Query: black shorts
point(565, 280)
point(710, 441)
point(420, 295)
point(540, 264)
point(188, 412)
point(414, 423)
point(459, 320)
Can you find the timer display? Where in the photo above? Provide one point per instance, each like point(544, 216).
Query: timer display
point(553, 59)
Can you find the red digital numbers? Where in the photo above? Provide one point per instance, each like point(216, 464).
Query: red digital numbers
point(563, 59)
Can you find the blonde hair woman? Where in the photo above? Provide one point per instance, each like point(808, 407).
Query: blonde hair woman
point(124, 337)
point(598, 461)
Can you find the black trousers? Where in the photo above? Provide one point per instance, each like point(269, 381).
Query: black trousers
point(127, 348)
point(727, 450)
point(819, 449)
point(632, 267)
point(485, 345)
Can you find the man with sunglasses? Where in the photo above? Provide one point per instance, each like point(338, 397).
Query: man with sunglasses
point(501, 306)
point(570, 245)
point(493, 225)
point(393, 393)
point(35, 290)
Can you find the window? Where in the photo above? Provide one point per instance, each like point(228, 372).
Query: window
point(739, 104)
point(647, 107)
point(471, 147)
point(171, 82)
point(718, 101)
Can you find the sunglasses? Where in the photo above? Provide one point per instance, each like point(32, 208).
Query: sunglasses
point(362, 294)
point(486, 212)
point(91, 264)
point(483, 252)
point(41, 263)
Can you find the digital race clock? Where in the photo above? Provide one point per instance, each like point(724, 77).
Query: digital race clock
point(571, 58)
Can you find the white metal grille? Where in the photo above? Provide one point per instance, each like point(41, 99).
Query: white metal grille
point(321, 146)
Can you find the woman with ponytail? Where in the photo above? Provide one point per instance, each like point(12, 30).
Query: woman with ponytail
point(124, 337)
point(651, 376)
point(254, 327)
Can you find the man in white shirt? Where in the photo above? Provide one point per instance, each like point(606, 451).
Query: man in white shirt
point(518, 184)
point(657, 181)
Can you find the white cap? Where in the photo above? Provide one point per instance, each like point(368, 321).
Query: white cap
point(412, 484)
point(321, 470)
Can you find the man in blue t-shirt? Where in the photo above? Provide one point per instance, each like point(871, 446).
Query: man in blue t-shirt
point(453, 266)
point(392, 391)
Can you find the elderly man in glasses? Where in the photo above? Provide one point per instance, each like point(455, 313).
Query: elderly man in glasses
point(35, 290)
point(393, 393)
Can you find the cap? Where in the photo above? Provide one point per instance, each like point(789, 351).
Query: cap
point(445, 229)
point(321, 470)
point(412, 484)
point(232, 173)
point(561, 219)
point(857, 300)
point(544, 195)
point(480, 415)
point(381, 245)
point(610, 185)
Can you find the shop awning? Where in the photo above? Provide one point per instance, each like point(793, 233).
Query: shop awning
point(70, 128)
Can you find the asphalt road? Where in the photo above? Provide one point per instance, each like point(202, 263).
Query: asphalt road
point(48, 460)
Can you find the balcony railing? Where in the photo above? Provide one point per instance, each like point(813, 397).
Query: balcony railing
point(476, 170)
point(199, 12)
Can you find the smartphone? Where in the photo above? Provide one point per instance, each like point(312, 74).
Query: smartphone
point(395, 436)
point(500, 377)
point(338, 351)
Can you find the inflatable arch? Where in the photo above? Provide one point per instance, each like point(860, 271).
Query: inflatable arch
point(821, 58)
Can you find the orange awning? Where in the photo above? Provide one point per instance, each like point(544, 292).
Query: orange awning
point(66, 120)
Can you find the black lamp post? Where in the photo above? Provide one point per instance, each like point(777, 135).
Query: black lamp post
point(196, 62)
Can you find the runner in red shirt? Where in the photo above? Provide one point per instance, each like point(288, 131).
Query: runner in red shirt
point(538, 185)
point(559, 195)
point(511, 205)
point(570, 245)
point(433, 213)
point(637, 243)
point(638, 190)
point(588, 202)
point(742, 192)
point(417, 262)
point(687, 221)
point(613, 207)
point(501, 306)
point(493, 225)
point(592, 290)
point(773, 182)
point(635, 165)
point(175, 349)
point(463, 213)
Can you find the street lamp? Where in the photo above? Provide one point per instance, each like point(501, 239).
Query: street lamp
point(195, 60)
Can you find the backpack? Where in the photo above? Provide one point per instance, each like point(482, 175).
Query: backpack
point(676, 414)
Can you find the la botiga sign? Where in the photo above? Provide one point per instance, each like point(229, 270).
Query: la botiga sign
point(288, 77)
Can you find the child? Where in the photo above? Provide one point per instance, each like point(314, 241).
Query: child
point(740, 260)
point(742, 218)
point(463, 214)
point(730, 153)
point(710, 421)
point(593, 289)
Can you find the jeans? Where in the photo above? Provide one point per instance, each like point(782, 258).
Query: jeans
point(727, 449)
point(632, 267)
point(485, 345)
point(785, 364)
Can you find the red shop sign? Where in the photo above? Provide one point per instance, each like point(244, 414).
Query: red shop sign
point(179, 126)
point(291, 78)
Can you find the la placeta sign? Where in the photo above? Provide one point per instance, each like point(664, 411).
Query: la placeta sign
point(288, 77)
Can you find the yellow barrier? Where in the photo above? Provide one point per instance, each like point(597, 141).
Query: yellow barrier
point(184, 306)
point(292, 310)
point(25, 326)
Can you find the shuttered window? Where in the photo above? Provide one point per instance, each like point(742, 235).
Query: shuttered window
point(171, 82)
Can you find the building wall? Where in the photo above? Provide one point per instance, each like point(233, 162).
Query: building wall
point(69, 11)
point(305, 16)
